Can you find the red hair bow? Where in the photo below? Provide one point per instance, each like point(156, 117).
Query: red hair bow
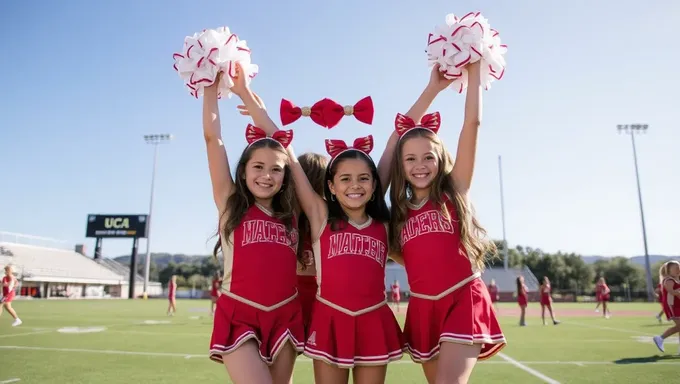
point(336, 147)
point(326, 112)
point(254, 134)
point(403, 124)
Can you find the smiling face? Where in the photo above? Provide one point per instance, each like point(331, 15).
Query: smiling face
point(264, 172)
point(420, 159)
point(352, 184)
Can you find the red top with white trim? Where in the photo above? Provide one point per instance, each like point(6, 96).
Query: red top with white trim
point(6, 281)
point(260, 259)
point(669, 299)
point(350, 264)
point(434, 256)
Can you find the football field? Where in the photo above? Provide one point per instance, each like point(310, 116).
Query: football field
point(117, 341)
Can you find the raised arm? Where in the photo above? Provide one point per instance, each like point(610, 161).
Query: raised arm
point(436, 84)
point(464, 165)
point(218, 162)
point(310, 202)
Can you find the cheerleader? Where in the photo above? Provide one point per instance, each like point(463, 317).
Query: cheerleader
point(257, 329)
point(172, 290)
point(603, 294)
point(314, 166)
point(546, 300)
point(671, 300)
point(9, 291)
point(493, 293)
point(522, 300)
point(396, 294)
point(450, 321)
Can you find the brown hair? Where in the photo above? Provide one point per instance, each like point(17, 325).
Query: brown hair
point(241, 199)
point(472, 234)
point(314, 165)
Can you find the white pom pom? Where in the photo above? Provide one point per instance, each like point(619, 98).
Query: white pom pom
point(207, 53)
point(466, 40)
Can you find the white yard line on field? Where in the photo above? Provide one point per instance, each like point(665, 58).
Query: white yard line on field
point(10, 381)
point(303, 359)
point(622, 330)
point(24, 334)
point(526, 369)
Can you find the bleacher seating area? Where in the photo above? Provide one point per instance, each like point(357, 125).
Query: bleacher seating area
point(47, 272)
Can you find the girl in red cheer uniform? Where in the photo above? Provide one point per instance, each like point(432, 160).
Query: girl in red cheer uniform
point(258, 331)
point(546, 300)
point(396, 294)
point(493, 293)
point(522, 300)
point(450, 321)
point(603, 293)
point(670, 296)
point(172, 291)
point(314, 166)
point(9, 291)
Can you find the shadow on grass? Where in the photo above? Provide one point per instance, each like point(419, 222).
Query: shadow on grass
point(646, 360)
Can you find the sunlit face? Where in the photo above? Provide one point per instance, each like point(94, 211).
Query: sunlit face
point(352, 184)
point(8, 271)
point(420, 161)
point(265, 172)
point(674, 270)
point(521, 279)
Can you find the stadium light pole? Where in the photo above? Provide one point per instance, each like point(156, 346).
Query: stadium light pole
point(632, 130)
point(505, 241)
point(154, 140)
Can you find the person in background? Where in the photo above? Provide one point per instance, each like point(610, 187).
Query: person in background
point(522, 300)
point(9, 291)
point(493, 293)
point(396, 294)
point(546, 300)
point(172, 289)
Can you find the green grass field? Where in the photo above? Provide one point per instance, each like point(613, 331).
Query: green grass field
point(140, 344)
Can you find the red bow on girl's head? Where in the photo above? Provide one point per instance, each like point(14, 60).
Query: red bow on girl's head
point(326, 112)
point(403, 124)
point(254, 134)
point(336, 147)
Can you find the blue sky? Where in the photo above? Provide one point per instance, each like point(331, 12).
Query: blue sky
point(85, 80)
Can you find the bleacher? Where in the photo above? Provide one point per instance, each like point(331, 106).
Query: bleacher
point(42, 264)
point(505, 280)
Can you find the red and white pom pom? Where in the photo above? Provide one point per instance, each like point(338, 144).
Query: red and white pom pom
point(209, 52)
point(463, 41)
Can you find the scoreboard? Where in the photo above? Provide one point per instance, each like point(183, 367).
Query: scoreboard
point(116, 226)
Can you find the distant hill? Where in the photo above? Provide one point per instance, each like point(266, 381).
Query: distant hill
point(639, 260)
point(163, 259)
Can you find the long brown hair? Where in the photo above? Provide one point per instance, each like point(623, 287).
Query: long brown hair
point(472, 235)
point(283, 203)
point(314, 166)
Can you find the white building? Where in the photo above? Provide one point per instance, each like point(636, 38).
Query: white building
point(50, 272)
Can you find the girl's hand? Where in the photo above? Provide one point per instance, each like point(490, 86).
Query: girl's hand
point(437, 80)
point(213, 87)
point(240, 87)
point(244, 111)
